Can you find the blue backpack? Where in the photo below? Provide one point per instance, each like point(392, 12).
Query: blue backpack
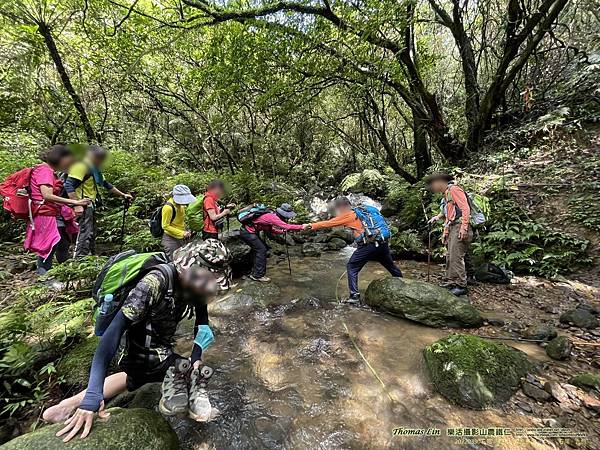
point(376, 228)
point(249, 213)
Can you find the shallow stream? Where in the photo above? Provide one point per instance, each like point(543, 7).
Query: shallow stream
point(295, 370)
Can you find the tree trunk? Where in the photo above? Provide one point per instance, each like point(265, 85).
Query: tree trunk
point(46, 33)
point(420, 147)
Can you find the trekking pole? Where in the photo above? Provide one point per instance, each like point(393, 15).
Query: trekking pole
point(429, 231)
point(287, 253)
point(122, 238)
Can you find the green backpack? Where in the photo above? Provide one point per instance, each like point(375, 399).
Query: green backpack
point(119, 275)
point(194, 214)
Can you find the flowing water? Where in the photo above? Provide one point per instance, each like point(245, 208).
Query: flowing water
point(295, 370)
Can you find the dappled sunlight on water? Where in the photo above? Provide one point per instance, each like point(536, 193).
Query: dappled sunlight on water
point(297, 370)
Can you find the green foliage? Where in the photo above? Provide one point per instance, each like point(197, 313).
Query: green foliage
point(81, 271)
point(521, 244)
point(584, 208)
point(369, 182)
point(407, 241)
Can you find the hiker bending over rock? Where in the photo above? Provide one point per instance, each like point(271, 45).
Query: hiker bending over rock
point(150, 313)
point(257, 218)
point(371, 235)
point(83, 182)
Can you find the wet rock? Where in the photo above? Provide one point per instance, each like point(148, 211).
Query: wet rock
point(539, 332)
point(525, 407)
point(125, 429)
point(336, 244)
point(559, 348)
point(535, 392)
point(312, 249)
point(586, 381)
point(422, 302)
point(581, 318)
point(241, 253)
point(553, 423)
point(341, 233)
point(473, 372)
point(556, 391)
point(321, 238)
point(496, 322)
point(589, 401)
point(262, 293)
point(147, 397)
point(232, 303)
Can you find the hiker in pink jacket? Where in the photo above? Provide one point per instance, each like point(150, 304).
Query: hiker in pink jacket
point(270, 222)
point(50, 232)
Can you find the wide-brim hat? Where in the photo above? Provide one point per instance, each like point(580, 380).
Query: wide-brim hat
point(286, 211)
point(438, 176)
point(183, 195)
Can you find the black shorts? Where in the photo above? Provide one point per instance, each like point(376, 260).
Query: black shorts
point(138, 375)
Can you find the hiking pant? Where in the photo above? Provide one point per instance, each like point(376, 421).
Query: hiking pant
point(370, 252)
point(259, 249)
point(170, 244)
point(60, 250)
point(86, 239)
point(456, 272)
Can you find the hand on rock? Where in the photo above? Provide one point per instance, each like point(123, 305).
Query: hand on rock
point(82, 421)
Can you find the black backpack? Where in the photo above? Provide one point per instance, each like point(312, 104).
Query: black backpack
point(155, 222)
point(491, 273)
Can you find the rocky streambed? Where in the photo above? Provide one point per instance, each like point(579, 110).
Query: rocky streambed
point(294, 369)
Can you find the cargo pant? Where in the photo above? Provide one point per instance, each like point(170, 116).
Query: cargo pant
point(456, 272)
point(86, 239)
point(170, 244)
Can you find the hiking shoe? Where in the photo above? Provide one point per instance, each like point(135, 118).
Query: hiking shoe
point(174, 389)
point(353, 300)
point(263, 279)
point(200, 408)
point(458, 291)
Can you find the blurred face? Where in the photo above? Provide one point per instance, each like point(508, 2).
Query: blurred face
point(342, 209)
point(199, 281)
point(439, 186)
point(65, 162)
point(219, 192)
point(97, 159)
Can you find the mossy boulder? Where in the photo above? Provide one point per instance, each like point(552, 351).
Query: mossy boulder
point(559, 348)
point(581, 318)
point(586, 380)
point(74, 367)
point(475, 373)
point(125, 429)
point(422, 302)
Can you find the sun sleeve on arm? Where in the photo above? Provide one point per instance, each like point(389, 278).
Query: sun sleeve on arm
point(343, 220)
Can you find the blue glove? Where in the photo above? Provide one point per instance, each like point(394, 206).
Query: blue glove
point(205, 337)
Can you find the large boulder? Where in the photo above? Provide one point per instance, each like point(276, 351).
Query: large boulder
point(539, 332)
point(241, 253)
point(125, 429)
point(582, 318)
point(336, 244)
point(422, 302)
point(74, 366)
point(559, 348)
point(473, 372)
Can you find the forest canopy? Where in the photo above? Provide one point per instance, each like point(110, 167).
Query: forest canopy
point(282, 88)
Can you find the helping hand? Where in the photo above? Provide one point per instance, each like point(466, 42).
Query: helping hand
point(463, 234)
point(83, 202)
point(227, 211)
point(306, 226)
point(434, 219)
point(82, 419)
point(231, 206)
point(444, 239)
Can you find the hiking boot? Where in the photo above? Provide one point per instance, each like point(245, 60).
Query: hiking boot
point(353, 300)
point(174, 389)
point(458, 291)
point(263, 279)
point(200, 408)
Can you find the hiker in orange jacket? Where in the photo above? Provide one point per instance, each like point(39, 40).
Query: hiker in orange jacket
point(367, 251)
point(458, 233)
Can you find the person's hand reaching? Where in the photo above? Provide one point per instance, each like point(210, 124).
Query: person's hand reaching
point(82, 421)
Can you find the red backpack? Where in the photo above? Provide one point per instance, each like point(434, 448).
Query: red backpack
point(16, 193)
